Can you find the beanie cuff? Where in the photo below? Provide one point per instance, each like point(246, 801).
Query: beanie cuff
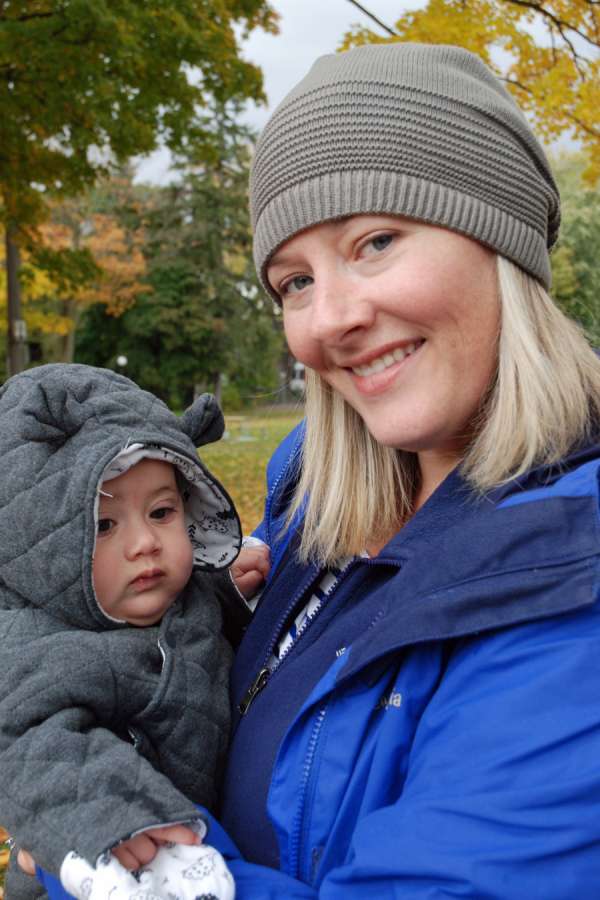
point(336, 195)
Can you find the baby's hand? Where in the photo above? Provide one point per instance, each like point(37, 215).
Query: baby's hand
point(138, 851)
point(26, 862)
point(251, 568)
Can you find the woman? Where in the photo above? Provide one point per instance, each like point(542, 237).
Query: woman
point(417, 695)
point(435, 730)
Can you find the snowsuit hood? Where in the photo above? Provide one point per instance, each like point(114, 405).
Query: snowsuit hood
point(60, 426)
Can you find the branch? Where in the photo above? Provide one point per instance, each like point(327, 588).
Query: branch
point(515, 83)
point(553, 41)
point(75, 42)
point(594, 4)
point(373, 17)
point(588, 129)
point(27, 17)
point(584, 126)
point(560, 24)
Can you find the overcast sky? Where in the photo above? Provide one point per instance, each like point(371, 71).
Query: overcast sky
point(308, 28)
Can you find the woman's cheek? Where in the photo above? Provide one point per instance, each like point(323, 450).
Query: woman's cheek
point(303, 346)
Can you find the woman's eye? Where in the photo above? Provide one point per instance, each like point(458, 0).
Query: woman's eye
point(162, 512)
point(378, 243)
point(105, 525)
point(295, 284)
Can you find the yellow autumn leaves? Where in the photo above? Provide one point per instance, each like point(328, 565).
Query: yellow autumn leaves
point(547, 51)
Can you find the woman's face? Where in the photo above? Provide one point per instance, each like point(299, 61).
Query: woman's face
point(399, 317)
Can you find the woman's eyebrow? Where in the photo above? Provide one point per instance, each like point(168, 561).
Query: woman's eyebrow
point(281, 258)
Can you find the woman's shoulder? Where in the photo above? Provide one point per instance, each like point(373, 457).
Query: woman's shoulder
point(577, 475)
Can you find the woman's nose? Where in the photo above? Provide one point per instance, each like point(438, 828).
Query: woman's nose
point(340, 308)
point(142, 540)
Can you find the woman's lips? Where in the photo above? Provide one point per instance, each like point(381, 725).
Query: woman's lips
point(376, 377)
point(387, 358)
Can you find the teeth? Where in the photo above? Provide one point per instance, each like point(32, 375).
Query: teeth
point(387, 360)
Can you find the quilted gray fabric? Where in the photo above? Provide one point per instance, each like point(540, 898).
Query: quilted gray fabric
point(104, 728)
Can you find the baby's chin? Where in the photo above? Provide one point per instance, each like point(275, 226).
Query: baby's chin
point(151, 617)
point(144, 622)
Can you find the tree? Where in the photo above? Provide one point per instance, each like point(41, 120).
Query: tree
point(545, 50)
point(45, 315)
point(89, 251)
point(575, 270)
point(117, 267)
point(212, 206)
point(86, 83)
point(206, 320)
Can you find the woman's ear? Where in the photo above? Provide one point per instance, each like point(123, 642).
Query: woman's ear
point(203, 421)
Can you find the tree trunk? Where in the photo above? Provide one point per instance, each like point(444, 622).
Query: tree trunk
point(72, 311)
point(17, 356)
point(218, 387)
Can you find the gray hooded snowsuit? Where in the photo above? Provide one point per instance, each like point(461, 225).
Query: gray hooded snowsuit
point(105, 728)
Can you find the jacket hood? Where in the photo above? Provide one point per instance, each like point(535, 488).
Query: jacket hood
point(60, 428)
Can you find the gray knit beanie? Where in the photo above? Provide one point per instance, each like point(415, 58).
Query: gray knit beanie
point(419, 130)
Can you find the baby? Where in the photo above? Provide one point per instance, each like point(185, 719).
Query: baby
point(114, 707)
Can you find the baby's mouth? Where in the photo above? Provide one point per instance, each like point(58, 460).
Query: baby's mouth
point(147, 578)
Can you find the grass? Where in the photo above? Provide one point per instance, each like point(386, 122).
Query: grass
point(239, 461)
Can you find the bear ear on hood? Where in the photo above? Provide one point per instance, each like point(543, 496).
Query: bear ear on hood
point(203, 421)
point(49, 412)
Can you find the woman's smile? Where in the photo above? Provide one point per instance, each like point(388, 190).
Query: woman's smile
point(375, 376)
point(386, 359)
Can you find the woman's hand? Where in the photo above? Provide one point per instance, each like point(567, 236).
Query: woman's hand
point(138, 851)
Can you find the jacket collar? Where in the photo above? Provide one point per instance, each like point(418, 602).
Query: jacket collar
point(469, 564)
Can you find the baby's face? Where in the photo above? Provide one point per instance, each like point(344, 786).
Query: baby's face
point(143, 556)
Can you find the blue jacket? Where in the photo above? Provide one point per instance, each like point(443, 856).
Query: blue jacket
point(436, 731)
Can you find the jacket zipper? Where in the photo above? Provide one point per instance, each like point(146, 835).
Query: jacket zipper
point(302, 812)
point(260, 681)
point(133, 733)
point(299, 818)
point(254, 689)
point(273, 492)
point(266, 672)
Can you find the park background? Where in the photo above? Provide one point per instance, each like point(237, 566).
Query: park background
point(126, 139)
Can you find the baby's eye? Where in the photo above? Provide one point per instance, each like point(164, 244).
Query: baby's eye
point(378, 243)
point(105, 525)
point(295, 284)
point(162, 512)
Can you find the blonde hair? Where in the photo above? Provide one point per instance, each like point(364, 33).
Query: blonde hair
point(544, 400)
